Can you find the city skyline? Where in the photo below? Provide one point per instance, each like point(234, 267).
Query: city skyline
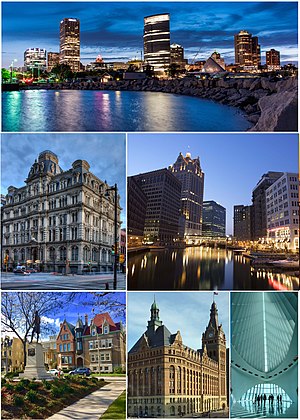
point(110, 167)
point(194, 307)
point(107, 29)
point(237, 163)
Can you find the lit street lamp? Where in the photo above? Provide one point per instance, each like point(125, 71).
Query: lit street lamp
point(115, 189)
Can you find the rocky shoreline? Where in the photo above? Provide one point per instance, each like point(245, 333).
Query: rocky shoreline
point(268, 105)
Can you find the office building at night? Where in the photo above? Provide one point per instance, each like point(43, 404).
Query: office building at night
point(259, 204)
point(70, 43)
point(157, 41)
point(52, 60)
point(273, 60)
point(177, 56)
point(243, 222)
point(163, 191)
point(35, 59)
point(282, 199)
point(188, 171)
point(247, 50)
point(214, 220)
point(136, 206)
point(166, 378)
point(60, 221)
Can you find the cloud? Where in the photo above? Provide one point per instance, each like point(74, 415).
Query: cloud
point(52, 321)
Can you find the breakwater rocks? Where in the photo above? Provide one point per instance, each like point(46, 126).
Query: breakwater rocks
point(269, 106)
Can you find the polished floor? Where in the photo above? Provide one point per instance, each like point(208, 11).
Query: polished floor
point(249, 410)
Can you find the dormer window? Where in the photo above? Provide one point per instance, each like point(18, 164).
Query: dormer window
point(94, 331)
point(106, 329)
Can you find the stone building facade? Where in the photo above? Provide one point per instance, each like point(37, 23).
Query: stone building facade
point(60, 220)
point(168, 379)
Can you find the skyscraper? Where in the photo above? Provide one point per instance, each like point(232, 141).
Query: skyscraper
point(243, 222)
point(273, 59)
point(188, 171)
point(247, 50)
point(214, 220)
point(157, 41)
point(70, 43)
point(35, 58)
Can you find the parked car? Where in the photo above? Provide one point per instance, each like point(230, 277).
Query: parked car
point(53, 372)
point(31, 270)
point(21, 272)
point(81, 371)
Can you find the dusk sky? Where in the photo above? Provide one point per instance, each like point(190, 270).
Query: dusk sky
point(232, 163)
point(104, 152)
point(184, 311)
point(115, 29)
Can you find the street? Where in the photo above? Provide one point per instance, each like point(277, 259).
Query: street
point(48, 281)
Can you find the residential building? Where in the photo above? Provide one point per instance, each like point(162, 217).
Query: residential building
point(162, 190)
point(259, 204)
point(50, 352)
point(60, 220)
point(282, 199)
point(66, 346)
point(247, 50)
point(35, 60)
point(166, 378)
point(273, 60)
point(12, 354)
point(136, 209)
point(243, 222)
point(157, 41)
point(188, 171)
point(70, 43)
point(101, 345)
point(214, 220)
point(52, 60)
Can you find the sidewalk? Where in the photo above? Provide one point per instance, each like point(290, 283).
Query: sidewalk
point(94, 405)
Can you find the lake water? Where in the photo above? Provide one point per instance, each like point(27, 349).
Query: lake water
point(201, 268)
point(86, 110)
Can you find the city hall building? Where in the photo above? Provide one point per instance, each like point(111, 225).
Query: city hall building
point(166, 378)
point(60, 220)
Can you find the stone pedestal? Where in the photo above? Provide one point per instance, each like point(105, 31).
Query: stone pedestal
point(35, 367)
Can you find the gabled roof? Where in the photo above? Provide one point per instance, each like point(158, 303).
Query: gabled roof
point(100, 318)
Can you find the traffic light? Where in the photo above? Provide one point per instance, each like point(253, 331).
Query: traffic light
point(113, 250)
point(122, 258)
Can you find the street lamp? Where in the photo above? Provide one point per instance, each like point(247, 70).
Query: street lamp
point(115, 189)
point(11, 68)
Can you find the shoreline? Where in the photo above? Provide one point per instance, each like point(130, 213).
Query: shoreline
point(266, 105)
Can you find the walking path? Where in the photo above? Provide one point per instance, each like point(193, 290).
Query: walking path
point(94, 405)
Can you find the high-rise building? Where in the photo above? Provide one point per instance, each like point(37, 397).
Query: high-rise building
point(247, 50)
point(70, 43)
point(136, 208)
point(177, 56)
point(188, 171)
point(60, 220)
point(157, 41)
point(35, 59)
point(243, 222)
point(162, 190)
point(214, 220)
point(166, 378)
point(52, 60)
point(273, 59)
point(282, 199)
point(259, 204)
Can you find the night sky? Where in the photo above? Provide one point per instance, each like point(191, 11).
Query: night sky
point(184, 311)
point(232, 163)
point(115, 30)
point(104, 152)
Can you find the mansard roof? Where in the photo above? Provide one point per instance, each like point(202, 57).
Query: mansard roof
point(158, 338)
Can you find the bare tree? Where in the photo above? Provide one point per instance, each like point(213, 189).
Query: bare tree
point(112, 302)
point(18, 312)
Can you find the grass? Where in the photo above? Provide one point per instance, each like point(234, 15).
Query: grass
point(117, 410)
point(21, 401)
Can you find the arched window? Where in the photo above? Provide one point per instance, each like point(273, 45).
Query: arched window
point(74, 253)
point(62, 253)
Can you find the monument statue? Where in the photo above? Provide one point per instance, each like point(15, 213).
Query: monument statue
point(36, 327)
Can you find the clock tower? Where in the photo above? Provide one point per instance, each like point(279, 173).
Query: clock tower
point(215, 341)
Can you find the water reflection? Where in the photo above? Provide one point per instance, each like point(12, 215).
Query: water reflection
point(199, 268)
point(79, 110)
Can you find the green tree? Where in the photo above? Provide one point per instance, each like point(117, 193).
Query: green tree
point(5, 75)
point(62, 72)
point(173, 70)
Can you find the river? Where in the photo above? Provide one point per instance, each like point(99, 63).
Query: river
point(90, 110)
point(199, 268)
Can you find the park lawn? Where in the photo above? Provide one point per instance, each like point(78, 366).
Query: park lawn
point(26, 399)
point(117, 410)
